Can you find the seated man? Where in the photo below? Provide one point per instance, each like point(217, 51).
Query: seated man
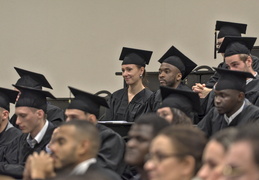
point(85, 106)
point(237, 53)
point(31, 111)
point(231, 107)
point(141, 133)
point(35, 80)
point(74, 149)
point(7, 131)
point(175, 66)
point(225, 29)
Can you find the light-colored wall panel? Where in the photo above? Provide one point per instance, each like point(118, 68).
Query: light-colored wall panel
point(78, 42)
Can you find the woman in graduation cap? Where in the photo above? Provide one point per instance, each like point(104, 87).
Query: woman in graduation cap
point(178, 106)
point(127, 103)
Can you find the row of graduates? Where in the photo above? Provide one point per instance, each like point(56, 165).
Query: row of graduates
point(35, 129)
point(227, 99)
point(127, 104)
point(156, 149)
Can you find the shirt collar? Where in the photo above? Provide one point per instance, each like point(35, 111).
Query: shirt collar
point(230, 119)
point(250, 79)
point(82, 167)
point(42, 132)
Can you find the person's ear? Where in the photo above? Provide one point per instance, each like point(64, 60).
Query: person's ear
point(84, 147)
point(5, 114)
point(188, 165)
point(179, 76)
point(92, 118)
point(40, 113)
point(241, 96)
point(249, 61)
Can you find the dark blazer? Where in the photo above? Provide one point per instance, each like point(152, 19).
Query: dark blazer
point(14, 155)
point(213, 121)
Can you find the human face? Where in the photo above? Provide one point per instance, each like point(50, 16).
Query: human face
point(240, 163)
point(213, 158)
point(131, 73)
point(164, 163)
point(137, 147)
point(169, 75)
point(75, 114)
point(227, 101)
point(165, 113)
point(64, 147)
point(29, 119)
point(236, 64)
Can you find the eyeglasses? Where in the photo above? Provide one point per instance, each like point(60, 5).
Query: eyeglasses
point(159, 157)
point(231, 171)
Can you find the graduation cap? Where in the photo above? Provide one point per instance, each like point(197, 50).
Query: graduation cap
point(31, 79)
point(228, 29)
point(174, 57)
point(31, 97)
point(230, 79)
point(86, 102)
point(237, 45)
point(186, 101)
point(135, 56)
point(7, 96)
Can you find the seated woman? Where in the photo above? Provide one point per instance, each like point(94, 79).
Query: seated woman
point(178, 106)
point(214, 154)
point(127, 103)
point(175, 153)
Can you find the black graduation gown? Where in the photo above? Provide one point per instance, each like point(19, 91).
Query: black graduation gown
point(9, 134)
point(214, 78)
point(213, 121)
point(94, 171)
point(120, 109)
point(154, 101)
point(252, 94)
point(14, 155)
point(55, 115)
point(111, 153)
point(103, 172)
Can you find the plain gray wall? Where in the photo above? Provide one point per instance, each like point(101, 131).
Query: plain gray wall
point(78, 42)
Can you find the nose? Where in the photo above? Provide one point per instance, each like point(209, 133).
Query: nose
point(51, 146)
point(124, 73)
point(217, 100)
point(203, 173)
point(161, 74)
point(18, 121)
point(130, 143)
point(149, 165)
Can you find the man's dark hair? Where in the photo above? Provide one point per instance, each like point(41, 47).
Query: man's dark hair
point(153, 120)
point(86, 130)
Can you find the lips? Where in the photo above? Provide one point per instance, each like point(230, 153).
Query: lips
point(22, 127)
point(161, 81)
point(220, 109)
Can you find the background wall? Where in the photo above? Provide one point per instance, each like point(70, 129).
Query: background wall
point(78, 42)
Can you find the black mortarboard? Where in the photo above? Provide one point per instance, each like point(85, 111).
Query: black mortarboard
point(135, 56)
point(186, 101)
point(7, 96)
point(34, 98)
point(237, 45)
point(31, 79)
point(228, 29)
point(174, 57)
point(230, 79)
point(86, 102)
